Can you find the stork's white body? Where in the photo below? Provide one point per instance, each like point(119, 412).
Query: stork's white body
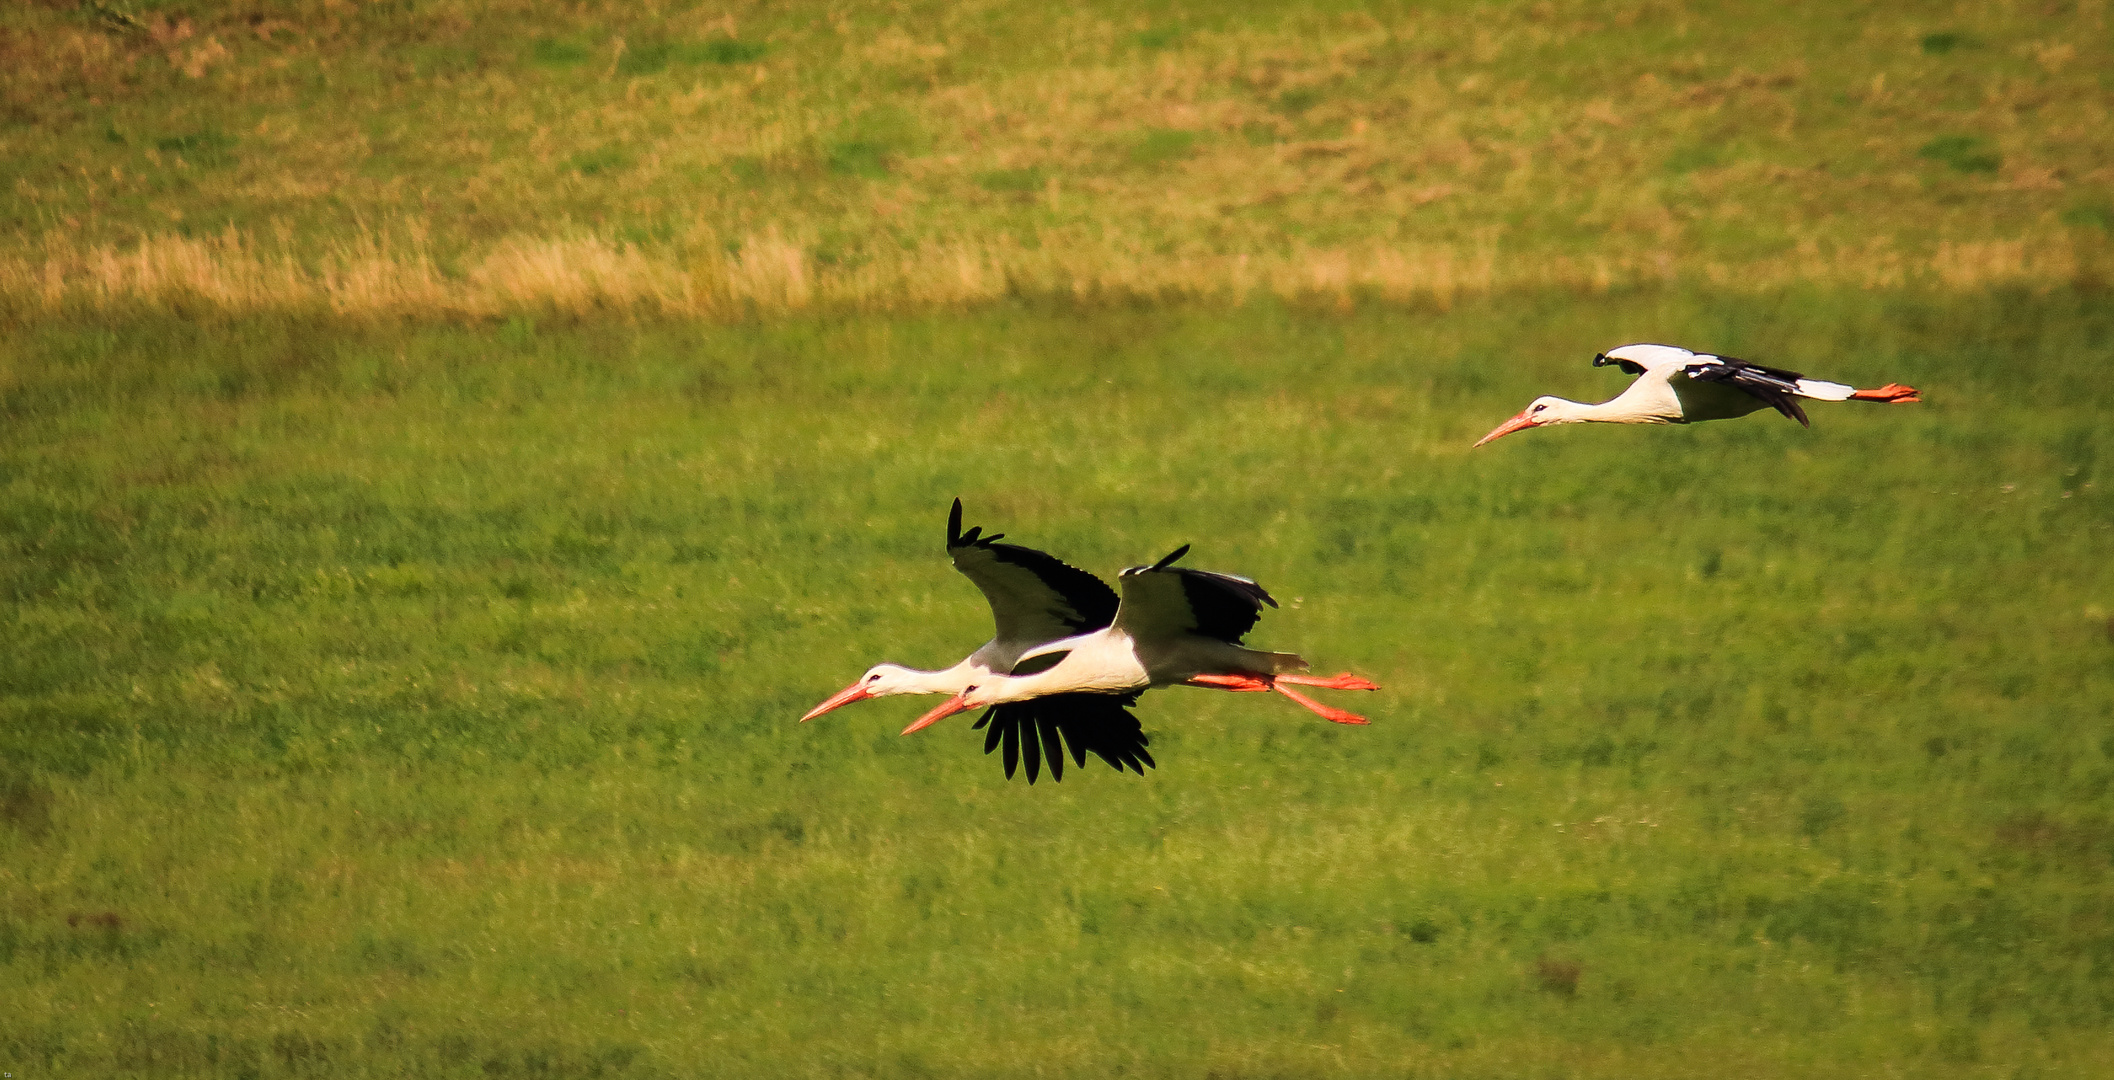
point(1117, 659)
point(1666, 394)
point(1114, 661)
point(1173, 626)
point(1676, 386)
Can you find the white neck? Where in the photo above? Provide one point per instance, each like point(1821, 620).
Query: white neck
point(949, 681)
point(1637, 405)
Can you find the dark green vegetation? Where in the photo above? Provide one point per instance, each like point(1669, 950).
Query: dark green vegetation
point(421, 699)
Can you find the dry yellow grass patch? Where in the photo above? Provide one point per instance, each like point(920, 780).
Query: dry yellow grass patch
point(771, 272)
point(881, 159)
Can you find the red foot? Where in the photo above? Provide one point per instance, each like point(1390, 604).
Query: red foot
point(1247, 682)
point(1324, 711)
point(1345, 681)
point(1894, 393)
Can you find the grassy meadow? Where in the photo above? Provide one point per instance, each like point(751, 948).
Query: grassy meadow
point(445, 446)
point(386, 700)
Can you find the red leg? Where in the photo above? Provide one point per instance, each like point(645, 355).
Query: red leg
point(1235, 683)
point(1891, 392)
point(1345, 681)
point(1324, 711)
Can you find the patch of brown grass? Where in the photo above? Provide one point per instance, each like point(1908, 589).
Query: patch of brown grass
point(392, 275)
point(876, 160)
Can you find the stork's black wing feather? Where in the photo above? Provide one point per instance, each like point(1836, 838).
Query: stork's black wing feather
point(1103, 725)
point(1774, 385)
point(1052, 745)
point(1090, 596)
point(1055, 600)
point(1044, 729)
point(1226, 607)
point(1166, 599)
point(1031, 747)
point(1783, 375)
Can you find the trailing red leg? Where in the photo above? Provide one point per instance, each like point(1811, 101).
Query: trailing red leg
point(1894, 393)
point(1236, 683)
point(1324, 711)
point(1345, 681)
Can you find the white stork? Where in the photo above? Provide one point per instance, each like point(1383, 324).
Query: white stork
point(1175, 626)
point(1676, 386)
point(1035, 599)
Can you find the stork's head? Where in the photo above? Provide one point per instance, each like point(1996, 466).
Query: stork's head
point(881, 680)
point(1541, 413)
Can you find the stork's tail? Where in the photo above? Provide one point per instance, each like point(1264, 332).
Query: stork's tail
point(1891, 393)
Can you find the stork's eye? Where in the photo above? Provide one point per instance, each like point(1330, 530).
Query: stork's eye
point(875, 677)
point(1539, 408)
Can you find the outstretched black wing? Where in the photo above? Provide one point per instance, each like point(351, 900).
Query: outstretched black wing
point(1162, 600)
point(1045, 728)
point(1774, 385)
point(1035, 598)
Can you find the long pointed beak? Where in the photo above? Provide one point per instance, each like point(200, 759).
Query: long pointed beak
point(1523, 420)
point(947, 708)
point(854, 692)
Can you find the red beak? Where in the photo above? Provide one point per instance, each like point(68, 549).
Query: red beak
point(947, 708)
point(854, 692)
point(1523, 420)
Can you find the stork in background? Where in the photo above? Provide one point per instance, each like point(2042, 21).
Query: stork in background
point(1676, 386)
point(1174, 626)
point(1035, 598)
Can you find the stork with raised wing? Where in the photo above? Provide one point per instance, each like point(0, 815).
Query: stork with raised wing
point(1035, 599)
point(1676, 386)
point(1175, 626)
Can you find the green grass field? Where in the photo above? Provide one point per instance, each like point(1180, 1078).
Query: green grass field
point(425, 700)
point(445, 446)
